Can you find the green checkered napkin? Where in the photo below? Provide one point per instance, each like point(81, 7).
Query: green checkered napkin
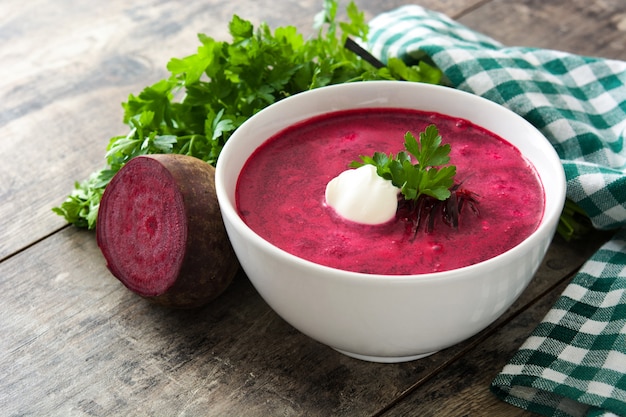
point(574, 363)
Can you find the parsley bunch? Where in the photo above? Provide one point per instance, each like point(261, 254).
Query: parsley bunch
point(212, 92)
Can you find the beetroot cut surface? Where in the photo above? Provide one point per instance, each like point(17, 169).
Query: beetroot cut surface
point(161, 232)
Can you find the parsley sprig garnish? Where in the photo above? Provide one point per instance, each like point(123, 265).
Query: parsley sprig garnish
point(425, 176)
point(425, 181)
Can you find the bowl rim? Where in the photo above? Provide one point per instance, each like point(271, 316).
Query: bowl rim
point(228, 205)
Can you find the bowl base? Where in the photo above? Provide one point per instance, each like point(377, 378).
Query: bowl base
point(385, 359)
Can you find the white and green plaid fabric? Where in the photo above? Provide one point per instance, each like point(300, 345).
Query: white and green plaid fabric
point(574, 363)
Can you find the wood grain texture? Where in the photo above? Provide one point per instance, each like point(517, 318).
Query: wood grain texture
point(75, 342)
point(80, 343)
point(593, 28)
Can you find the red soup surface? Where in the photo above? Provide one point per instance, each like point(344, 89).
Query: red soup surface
point(280, 194)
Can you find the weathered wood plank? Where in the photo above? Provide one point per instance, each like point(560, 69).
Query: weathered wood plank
point(76, 342)
point(593, 28)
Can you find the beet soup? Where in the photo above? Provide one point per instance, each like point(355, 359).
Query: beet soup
point(280, 194)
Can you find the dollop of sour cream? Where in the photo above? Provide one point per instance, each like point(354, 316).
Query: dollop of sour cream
point(362, 196)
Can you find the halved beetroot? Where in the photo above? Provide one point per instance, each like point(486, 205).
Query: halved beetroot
point(160, 230)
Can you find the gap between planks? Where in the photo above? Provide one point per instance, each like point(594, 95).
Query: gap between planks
point(36, 241)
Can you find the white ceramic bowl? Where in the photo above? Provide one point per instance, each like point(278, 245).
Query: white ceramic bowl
point(391, 318)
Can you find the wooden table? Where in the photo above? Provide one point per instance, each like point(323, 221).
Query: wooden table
point(75, 342)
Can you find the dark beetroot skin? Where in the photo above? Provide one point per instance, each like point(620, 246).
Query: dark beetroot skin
point(161, 232)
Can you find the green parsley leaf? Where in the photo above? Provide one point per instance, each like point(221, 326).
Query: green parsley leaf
point(426, 176)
